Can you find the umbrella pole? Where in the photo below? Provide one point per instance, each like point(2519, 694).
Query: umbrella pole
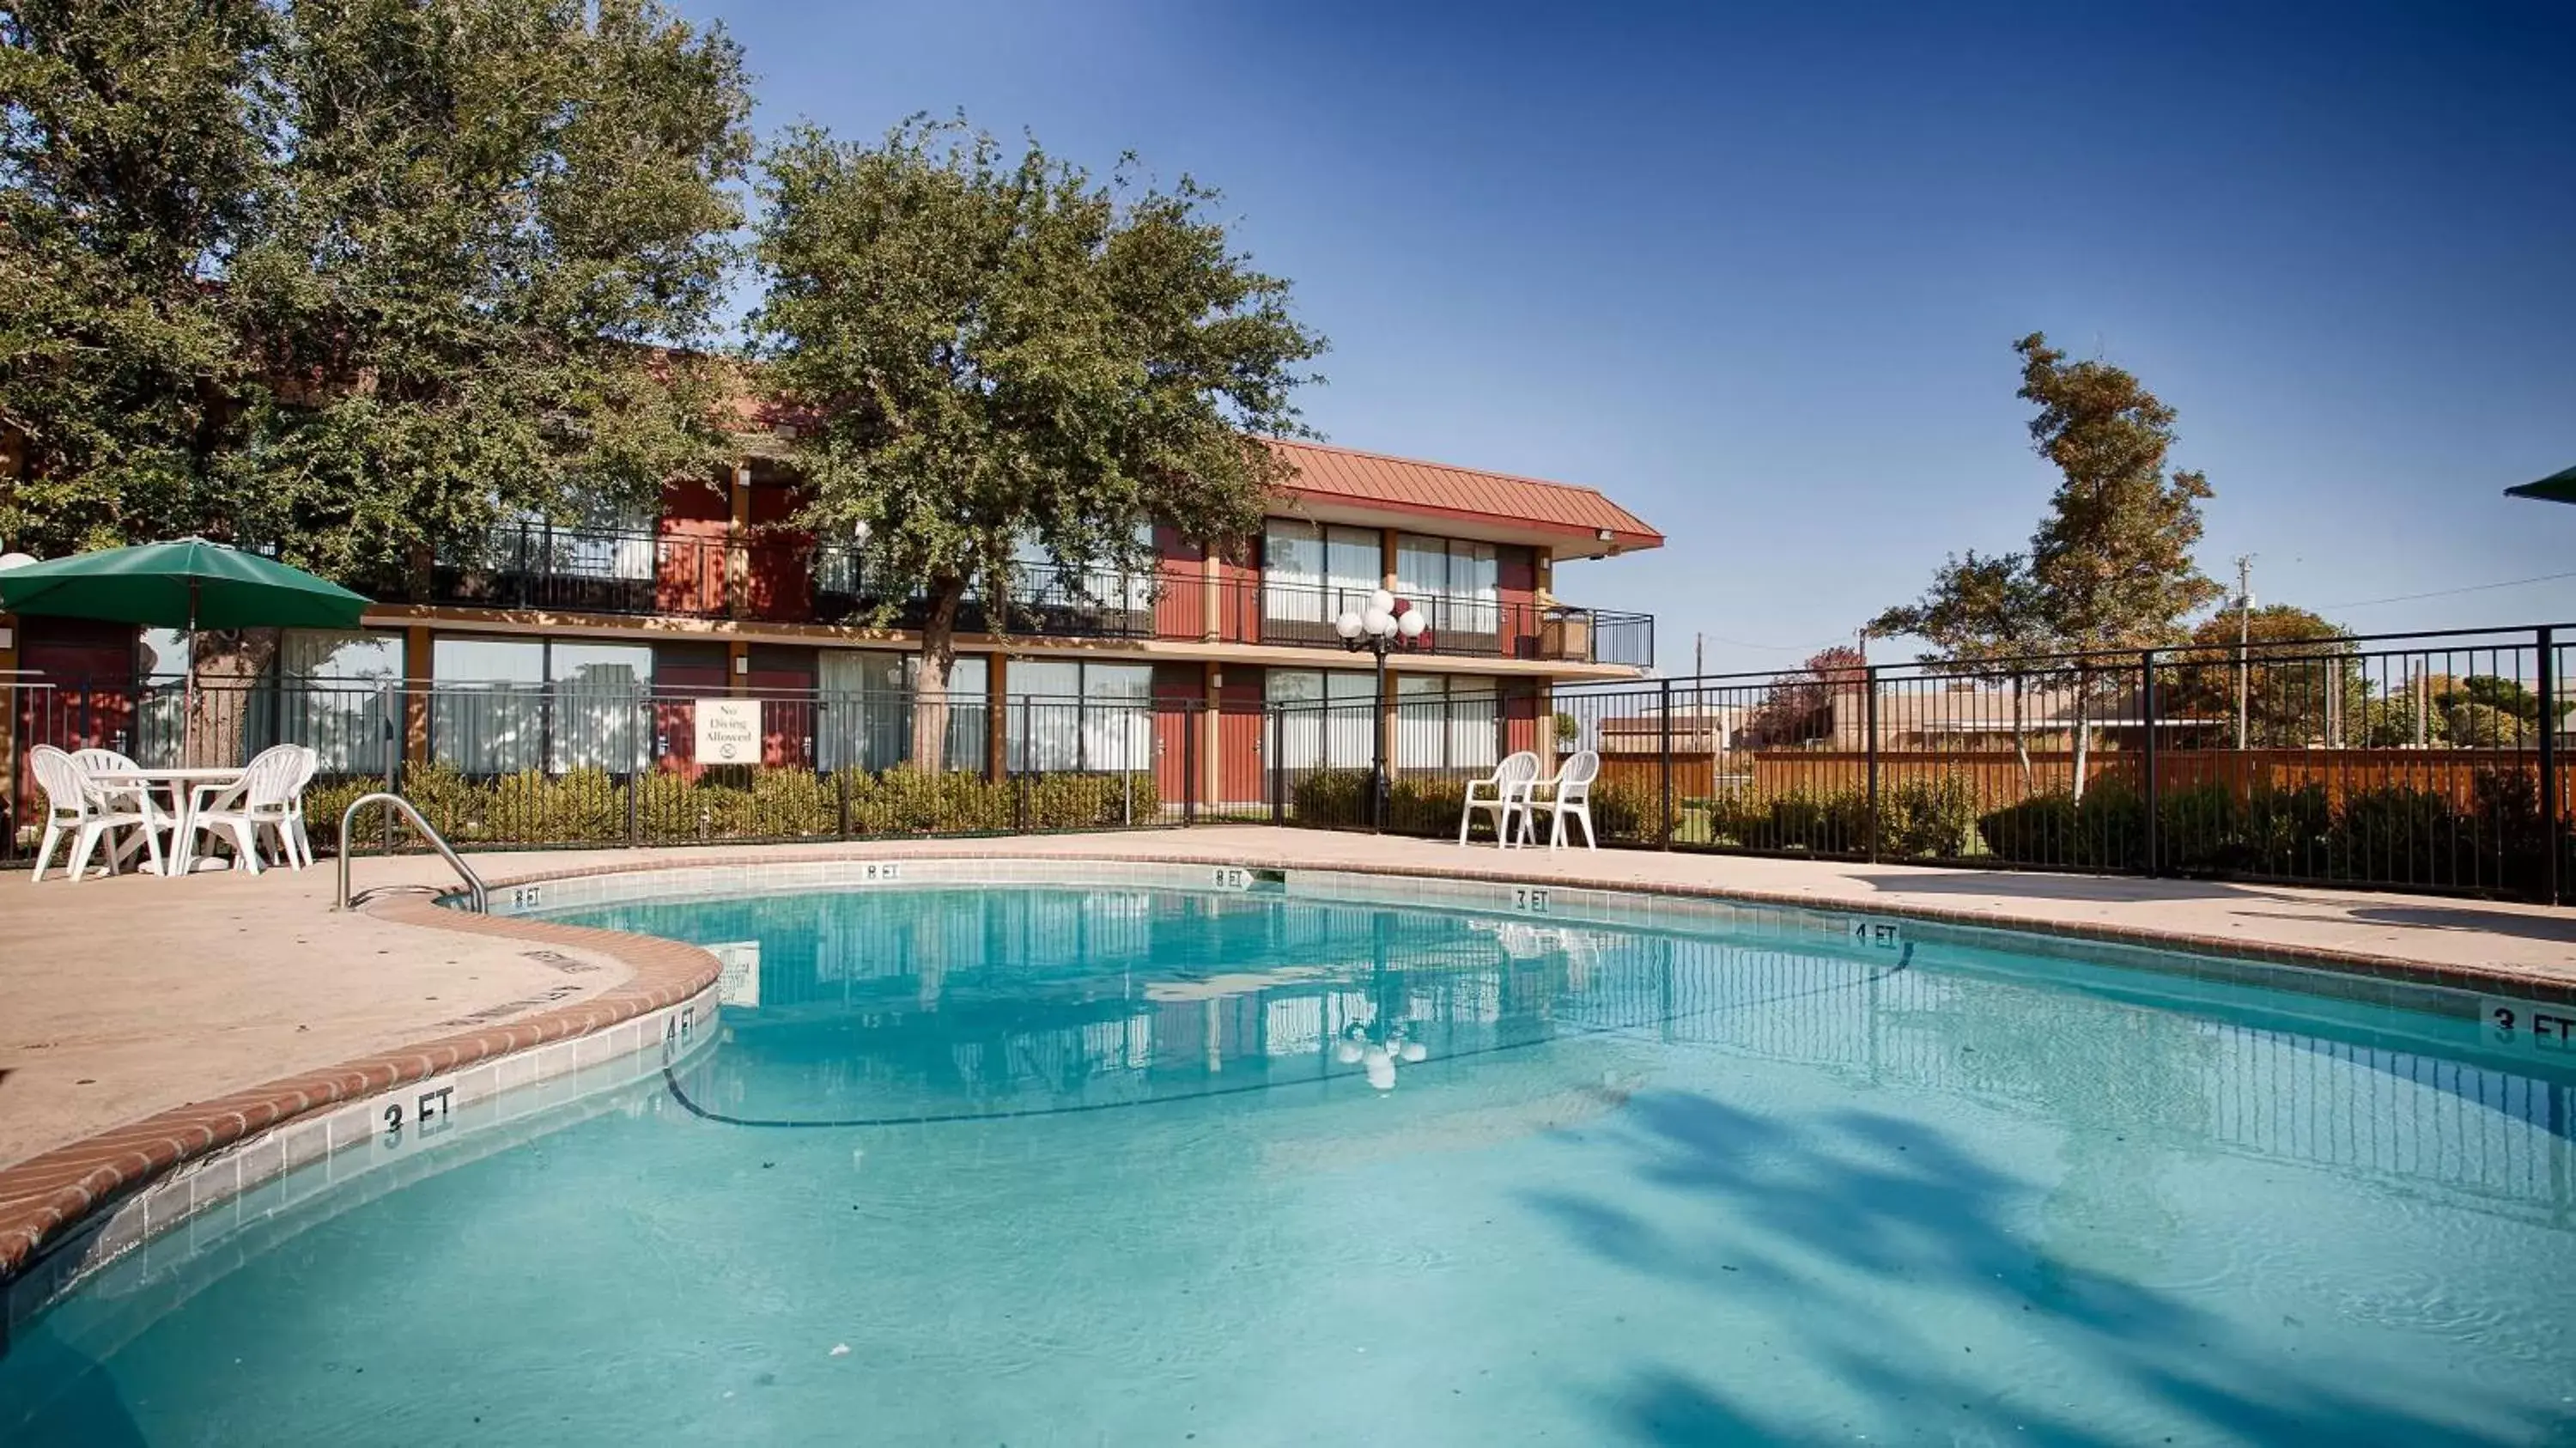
point(188, 687)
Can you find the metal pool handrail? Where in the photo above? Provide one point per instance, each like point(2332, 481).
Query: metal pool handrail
point(476, 897)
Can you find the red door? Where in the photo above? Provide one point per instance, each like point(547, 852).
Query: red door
point(1178, 767)
point(1241, 743)
point(77, 693)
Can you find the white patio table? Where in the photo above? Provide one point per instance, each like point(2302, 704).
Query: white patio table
point(183, 785)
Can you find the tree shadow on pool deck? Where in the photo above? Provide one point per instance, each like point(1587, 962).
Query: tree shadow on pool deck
point(1899, 1201)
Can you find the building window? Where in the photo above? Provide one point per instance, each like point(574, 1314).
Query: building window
point(1327, 718)
point(1081, 716)
point(1447, 722)
point(1456, 582)
point(340, 695)
point(865, 709)
point(1311, 572)
point(501, 706)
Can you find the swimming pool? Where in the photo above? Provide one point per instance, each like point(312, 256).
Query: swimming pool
point(1118, 1161)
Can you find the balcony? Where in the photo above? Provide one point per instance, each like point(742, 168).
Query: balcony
point(1047, 600)
point(1269, 611)
point(584, 571)
point(787, 581)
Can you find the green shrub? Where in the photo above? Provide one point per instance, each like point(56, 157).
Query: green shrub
point(589, 806)
point(2106, 831)
point(1930, 819)
point(1423, 806)
point(1331, 798)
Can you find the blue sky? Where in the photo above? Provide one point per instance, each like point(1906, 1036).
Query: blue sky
point(1757, 275)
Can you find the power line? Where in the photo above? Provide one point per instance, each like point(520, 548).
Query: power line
point(2448, 592)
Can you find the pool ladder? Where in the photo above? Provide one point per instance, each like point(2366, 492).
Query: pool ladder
point(478, 899)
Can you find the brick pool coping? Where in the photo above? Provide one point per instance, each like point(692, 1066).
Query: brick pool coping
point(46, 1196)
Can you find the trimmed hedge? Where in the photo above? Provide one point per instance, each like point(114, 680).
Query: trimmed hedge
point(590, 806)
point(2393, 835)
point(1415, 805)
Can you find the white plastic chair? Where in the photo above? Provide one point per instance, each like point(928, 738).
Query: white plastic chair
point(1508, 788)
point(293, 837)
point(1569, 795)
point(95, 763)
point(78, 806)
point(261, 799)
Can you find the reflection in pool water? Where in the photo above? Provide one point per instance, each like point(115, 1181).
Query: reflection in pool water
point(1140, 1166)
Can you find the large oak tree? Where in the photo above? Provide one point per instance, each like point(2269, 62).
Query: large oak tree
point(354, 280)
point(990, 352)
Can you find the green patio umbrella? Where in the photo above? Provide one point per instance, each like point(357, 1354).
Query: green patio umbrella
point(2558, 487)
point(189, 584)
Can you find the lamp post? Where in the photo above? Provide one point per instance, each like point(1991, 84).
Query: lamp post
point(1388, 624)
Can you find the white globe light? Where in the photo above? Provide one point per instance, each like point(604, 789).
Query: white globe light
point(15, 560)
point(1379, 623)
point(1348, 625)
point(1381, 1069)
point(1410, 623)
point(1382, 602)
point(1415, 1050)
point(860, 530)
point(1347, 1052)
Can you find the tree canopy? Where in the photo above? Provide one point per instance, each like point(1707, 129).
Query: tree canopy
point(1799, 707)
point(2112, 560)
point(990, 354)
point(355, 279)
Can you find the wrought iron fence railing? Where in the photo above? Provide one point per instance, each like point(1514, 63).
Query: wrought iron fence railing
point(2425, 762)
point(527, 765)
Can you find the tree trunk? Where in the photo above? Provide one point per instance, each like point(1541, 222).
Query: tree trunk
point(2083, 729)
point(224, 666)
point(930, 687)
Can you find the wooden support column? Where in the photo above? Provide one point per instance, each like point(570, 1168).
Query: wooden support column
point(417, 680)
point(1211, 774)
point(1386, 558)
point(738, 544)
point(1386, 735)
point(997, 715)
point(1211, 594)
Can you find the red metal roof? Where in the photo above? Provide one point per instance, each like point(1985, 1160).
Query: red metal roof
point(1442, 491)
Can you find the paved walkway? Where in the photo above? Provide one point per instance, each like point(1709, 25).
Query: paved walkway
point(126, 996)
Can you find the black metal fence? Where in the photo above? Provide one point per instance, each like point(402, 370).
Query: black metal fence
point(504, 765)
point(2427, 762)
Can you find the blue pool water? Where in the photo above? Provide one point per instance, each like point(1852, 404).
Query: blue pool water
point(1130, 1166)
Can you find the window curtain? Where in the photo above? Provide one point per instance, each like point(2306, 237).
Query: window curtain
point(338, 694)
point(1421, 722)
point(1475, 723)
point(864, 714)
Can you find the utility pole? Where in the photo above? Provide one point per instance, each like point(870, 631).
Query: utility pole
point(2244, 636)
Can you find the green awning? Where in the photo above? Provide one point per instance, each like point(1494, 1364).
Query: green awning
point(190, 584)
point(2558, 487)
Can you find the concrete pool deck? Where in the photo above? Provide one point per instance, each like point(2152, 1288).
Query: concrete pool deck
point(124, 997)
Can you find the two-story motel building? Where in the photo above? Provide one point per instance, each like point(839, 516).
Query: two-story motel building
point(713, 592)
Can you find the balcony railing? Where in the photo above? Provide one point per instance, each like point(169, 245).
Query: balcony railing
point(1046, 600)
point(1273, 611)
point(586, 571)
point(785, 580)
